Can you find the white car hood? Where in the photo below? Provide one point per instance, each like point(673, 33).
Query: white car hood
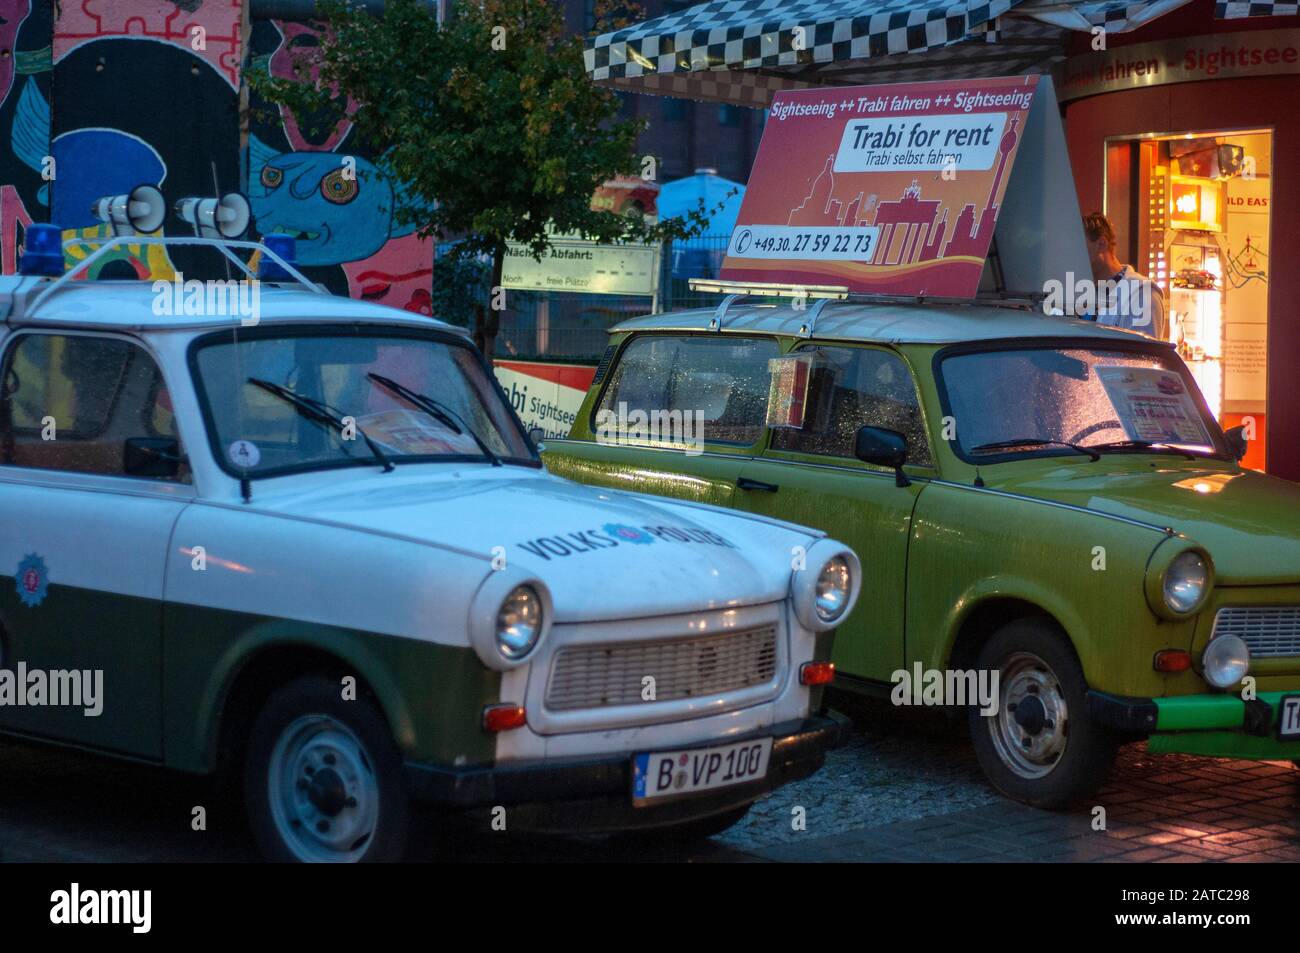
point(603, 554)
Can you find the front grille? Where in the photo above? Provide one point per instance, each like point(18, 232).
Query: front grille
point(602, 676)
point(1269, 631)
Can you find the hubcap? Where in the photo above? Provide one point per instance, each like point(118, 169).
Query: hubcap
point(324, 795)
point(1031, 727)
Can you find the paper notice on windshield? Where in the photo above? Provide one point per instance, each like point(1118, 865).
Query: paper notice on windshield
point(408, 432)
point(1153, 405)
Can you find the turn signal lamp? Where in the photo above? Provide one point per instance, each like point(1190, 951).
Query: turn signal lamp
point(1172, 660)
point(504, 717)
point(816, 673)
point(43, 251)
point(268, 269)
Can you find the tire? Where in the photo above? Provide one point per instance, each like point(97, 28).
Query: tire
point(322, 778)
point(1042, 699)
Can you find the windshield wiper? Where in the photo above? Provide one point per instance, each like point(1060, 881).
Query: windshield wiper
point(438, 411)
point(1119, 446)
point(1036, 442)
point(319, 412)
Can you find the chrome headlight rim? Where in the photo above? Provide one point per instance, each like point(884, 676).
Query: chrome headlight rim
point(1225, 661)
point(485, 615)
point(1158, 578)
point(804, 584)
point(516, 639)
point(833, 587)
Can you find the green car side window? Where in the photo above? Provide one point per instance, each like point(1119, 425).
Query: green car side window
point(720, 380)
point(851, 388)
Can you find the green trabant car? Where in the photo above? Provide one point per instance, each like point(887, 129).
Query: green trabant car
point(1040, 505)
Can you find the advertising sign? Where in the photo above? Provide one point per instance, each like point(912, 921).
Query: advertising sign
point(545, 395)
point(882, 189)
point(1153, 405)
point(1187, 59)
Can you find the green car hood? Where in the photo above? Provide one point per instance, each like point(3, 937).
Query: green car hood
point(1249, 522)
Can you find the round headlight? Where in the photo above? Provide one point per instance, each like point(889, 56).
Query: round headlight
point(834, 585)
point(519, 623)
point(1226, 661)
point(1186, 582)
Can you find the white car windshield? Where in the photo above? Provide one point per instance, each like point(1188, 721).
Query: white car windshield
point(1057, 400)
point(284, 400)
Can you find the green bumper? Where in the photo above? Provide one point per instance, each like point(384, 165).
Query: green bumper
point(1217, 726)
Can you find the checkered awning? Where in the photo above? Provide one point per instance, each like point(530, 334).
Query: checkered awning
point(743, 51)
point(761, 34)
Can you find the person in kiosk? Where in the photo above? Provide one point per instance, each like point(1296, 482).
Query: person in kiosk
point(1125, 298)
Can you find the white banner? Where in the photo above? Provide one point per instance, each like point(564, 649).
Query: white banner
point(585, 267)
point(921, 143)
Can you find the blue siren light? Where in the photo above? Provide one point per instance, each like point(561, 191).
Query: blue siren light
point(268, 269)
point(43, 251)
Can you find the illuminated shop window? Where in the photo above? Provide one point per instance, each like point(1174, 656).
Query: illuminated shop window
point(1193, 211)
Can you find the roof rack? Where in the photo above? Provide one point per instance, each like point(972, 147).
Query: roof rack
point(109, 242)
point(1025, 300)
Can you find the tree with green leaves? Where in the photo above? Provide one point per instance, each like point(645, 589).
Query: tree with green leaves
point(487, 124)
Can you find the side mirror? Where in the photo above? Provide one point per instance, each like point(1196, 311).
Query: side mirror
point(537, 435)
point(885, 448)
point(1237, 443)
point(151, 457)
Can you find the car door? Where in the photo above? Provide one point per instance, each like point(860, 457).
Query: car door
point(680, 415)
point(809, 475)
point(82, 540)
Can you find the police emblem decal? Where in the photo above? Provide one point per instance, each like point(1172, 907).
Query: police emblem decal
point(32, 580)
point(628, 534)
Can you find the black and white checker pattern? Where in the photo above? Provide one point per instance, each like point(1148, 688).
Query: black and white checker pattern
point(1114, 16)
point(757, 34)
point(745, 51)
point(1240, 9)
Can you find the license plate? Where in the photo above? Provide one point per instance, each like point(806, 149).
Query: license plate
point(670, 773)
point(1288, 721)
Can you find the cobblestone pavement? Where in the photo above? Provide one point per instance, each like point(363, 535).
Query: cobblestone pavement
point(900, 790)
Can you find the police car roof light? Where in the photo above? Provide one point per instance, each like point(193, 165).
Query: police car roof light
point(42, 251)
point(286, 249)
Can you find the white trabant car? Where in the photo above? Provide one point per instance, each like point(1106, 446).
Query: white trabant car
point(322, 553)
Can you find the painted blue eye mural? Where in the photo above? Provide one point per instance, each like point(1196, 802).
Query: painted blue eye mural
point(337, 211)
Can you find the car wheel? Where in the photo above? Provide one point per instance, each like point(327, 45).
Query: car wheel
point(1040, 747)
point(322, 779)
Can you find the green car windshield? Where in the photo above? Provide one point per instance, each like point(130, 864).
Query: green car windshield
point(274, 399)
point(1040, 400)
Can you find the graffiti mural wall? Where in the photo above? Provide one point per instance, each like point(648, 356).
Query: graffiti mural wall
point(99, 96)
point(147, 91)
point(313, 181)
point(25, 67)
